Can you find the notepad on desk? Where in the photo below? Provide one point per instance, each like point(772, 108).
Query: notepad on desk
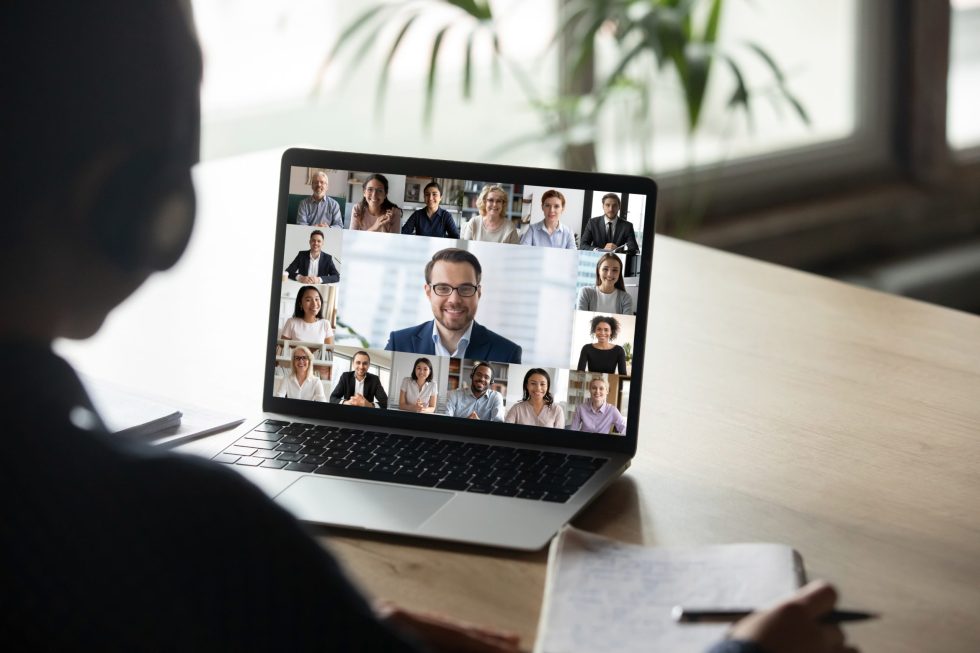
point(607, 596)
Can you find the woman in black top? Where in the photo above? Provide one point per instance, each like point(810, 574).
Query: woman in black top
point(602, 355)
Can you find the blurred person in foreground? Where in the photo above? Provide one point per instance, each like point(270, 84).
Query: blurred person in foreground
point(109, 545)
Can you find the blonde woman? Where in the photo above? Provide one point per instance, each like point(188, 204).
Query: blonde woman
point(492, 225)
point(300, 382)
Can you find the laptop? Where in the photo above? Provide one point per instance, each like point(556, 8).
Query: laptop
point(453, 350)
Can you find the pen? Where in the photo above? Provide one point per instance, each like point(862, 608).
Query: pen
point(691, 616)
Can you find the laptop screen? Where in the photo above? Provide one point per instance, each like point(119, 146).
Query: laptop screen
point(490, 296)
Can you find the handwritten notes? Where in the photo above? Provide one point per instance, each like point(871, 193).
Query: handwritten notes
point(602, 595)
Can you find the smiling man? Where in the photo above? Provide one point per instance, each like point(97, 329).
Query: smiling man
point(313, 265)
point(432, 220)
point(318, 210)
point(452, 285)
point(479, 401)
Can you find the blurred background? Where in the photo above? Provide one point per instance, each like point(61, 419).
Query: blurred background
point(840, 137)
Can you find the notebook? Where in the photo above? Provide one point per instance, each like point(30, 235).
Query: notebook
point(604, 596)
point(448, 354)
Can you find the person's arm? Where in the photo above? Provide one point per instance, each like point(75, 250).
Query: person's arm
point(293, 268)
point(577, 419)
point(626, 302)
point(451, 404)
point(355, 218)
point(511, 417)
point(403, 398)
point(587, 237)
point(303, 213)
point(337, 396)
point(411, 223)
point(528, 238)
point(560, 417)
point(497, 409)
point(793, 626)
point(514, 238)
point(584, 295)
point(631, 244)
point(335, 219)
point(381, 396)
point(620, 422)
point(433, 400)
point(452, 230)
point(583, 359)
point(621, 362)
point(332, 274)
point(569, 240)
point(318, 393)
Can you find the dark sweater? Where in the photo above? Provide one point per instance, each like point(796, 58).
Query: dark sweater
point(603, 360)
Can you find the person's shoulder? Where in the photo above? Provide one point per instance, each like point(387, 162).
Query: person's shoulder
point(408, 332)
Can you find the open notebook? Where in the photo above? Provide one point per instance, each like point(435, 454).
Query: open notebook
point(602, 595)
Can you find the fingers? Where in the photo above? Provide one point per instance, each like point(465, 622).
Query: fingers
point(817, 598)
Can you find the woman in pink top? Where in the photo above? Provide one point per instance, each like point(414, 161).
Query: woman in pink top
point(374, 212)
point(539, 407)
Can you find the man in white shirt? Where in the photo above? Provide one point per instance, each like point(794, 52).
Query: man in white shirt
point(478, 401)
point(359, 387)
point(313, 265)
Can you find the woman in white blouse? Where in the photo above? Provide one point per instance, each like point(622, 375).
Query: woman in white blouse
point(492, 225)
point(307, 325)
point(609, 294)
point(419, 393)
point(300, 382)
point(539, 407)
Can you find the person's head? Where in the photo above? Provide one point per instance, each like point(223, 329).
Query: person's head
point(598, 389)
point(481, 377)
point(320, 184)
point(422, 369)
point(604, 328)
point(376, 194)
point(610, 268)
point(537, 385)
point(610, 205)
point(361, 362)
point(452, 284)
point(302, 361)
point(432, 194)
point(309, 302)
point(316, 243)
point(552, 205)
point(120, 142)
point(492, 201)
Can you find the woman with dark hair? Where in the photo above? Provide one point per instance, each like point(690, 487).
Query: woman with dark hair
point(602, 355)
point(419, 393)
point(374, 212)
point(307, 324)
point(609, 294)
point(432, 220)
point(300, 382)
point(538, 407)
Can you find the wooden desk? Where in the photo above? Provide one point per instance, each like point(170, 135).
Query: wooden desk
point(780, 407)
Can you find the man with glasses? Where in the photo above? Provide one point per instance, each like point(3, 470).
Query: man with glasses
point(319, 210)
point(452, 284)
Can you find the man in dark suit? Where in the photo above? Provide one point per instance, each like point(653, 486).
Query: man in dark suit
point(452, 284)
point(359, 387)
point(610, 231)
point(313, 265)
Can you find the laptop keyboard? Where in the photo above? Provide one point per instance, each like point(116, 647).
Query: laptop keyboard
point(413, 460)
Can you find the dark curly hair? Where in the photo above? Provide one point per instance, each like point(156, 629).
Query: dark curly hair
point(611, 321)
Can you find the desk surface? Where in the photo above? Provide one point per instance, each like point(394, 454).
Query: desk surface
point(781, 407)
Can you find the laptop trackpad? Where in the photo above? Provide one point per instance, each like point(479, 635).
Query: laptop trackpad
point(361, 504)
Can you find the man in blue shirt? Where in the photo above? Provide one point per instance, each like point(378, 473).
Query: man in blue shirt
point(318, 210)
point(432, 220)
point(479, 401)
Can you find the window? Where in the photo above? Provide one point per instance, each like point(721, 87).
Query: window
point(963, 127)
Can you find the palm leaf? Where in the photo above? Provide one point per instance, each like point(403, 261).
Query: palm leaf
point(355, 26)
point(430, 84)
point(386, 67)
point(478, 10)
point(780, 81)
point(740, 97)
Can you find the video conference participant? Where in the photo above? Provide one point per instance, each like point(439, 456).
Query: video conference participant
point(479, 401)
point(374, 212)
point(550, 232)
point(610, 231)
point(300, 382)
point(359, 387)
point(609, 294)
point(306, 324)
point(598, 416)
point(313, 265)
point(538, 407)
point(432, 220)
point(318, 210)
point(452, 285)
point(419, 393)
point(602, 355)
point(492, 225)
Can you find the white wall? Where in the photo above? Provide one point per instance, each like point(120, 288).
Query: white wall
point(574, 202)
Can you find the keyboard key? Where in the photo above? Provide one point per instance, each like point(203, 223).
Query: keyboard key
point(505, 492)
point(294, 439)
point(226, 458)
point(314, 460)
point(267, 427)
point(265, 454)
point(288, 447)
point(255, 434)
point(530, 494)
point(239, 451)
point(557, 497)
point(276, 422)
point(299, 467)
point(290, 457)
point(274, 464)
point(249, 461)
point(256, 444)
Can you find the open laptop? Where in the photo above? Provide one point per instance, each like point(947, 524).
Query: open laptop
point(481, 387)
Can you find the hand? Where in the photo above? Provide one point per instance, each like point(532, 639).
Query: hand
point(441, 633)
point(610, 246)
point(794, 626)
point(302, 278)
point(419, 406)
point(473, 415)
point(358, 400)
